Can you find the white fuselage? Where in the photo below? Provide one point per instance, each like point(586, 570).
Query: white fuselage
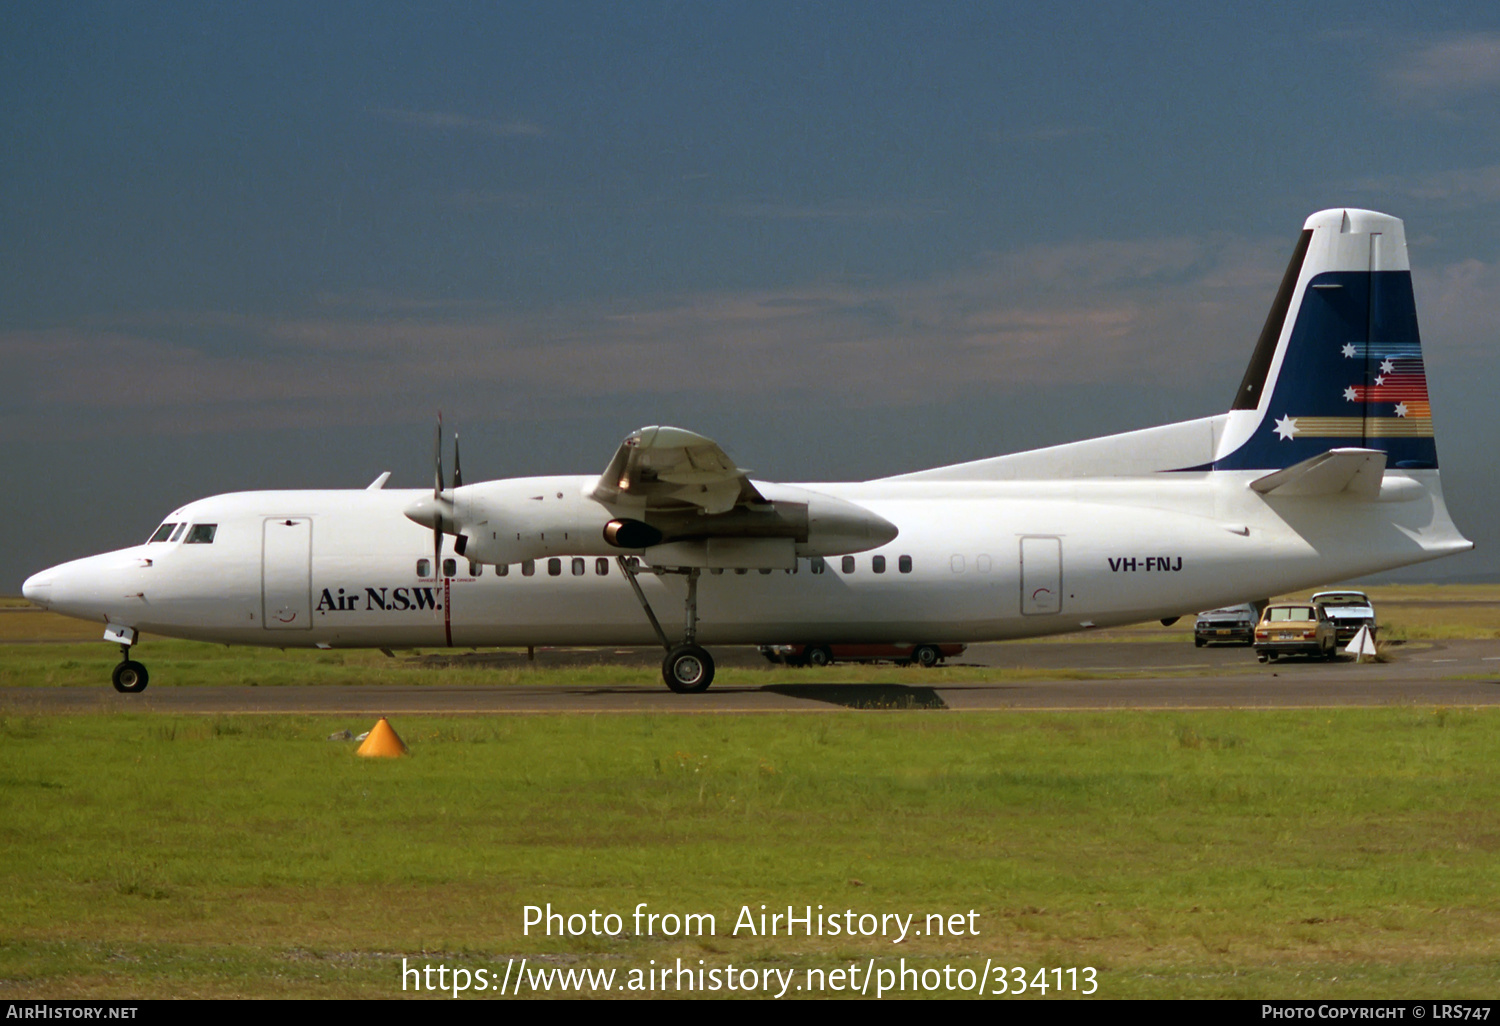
point(988, 560)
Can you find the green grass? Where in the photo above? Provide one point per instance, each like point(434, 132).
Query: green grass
point(1348, 853)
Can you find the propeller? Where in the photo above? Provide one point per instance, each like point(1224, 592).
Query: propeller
point(442, 502)
point(437, 497)
point(440, 512)
point(460, 541)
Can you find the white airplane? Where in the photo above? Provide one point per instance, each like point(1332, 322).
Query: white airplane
point(1324, 468)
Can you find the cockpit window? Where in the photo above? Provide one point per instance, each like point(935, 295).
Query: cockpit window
point(162, 533)
point(178, 533)
point(201, 534)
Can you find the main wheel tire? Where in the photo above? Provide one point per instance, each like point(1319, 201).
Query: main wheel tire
point(130, 677)
point(688, 669)
point(819, 655)
point(1198, 642)
point(926, 656)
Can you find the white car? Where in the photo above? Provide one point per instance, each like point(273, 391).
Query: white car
point(1349, 611)
point(1232, 624)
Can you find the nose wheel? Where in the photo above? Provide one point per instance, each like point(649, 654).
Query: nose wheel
point(130, 676)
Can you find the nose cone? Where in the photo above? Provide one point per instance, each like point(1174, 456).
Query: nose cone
point(430, 512)
point(38, 589)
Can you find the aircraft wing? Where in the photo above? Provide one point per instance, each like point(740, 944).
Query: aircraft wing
point(663, 468)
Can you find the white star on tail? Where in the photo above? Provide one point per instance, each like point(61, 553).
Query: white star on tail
point(1400, 409)
point(1348, 349)
point(1386, 366)
point(1286, 428)
point(1350, 394)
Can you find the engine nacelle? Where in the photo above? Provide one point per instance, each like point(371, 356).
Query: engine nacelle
point(510, 521)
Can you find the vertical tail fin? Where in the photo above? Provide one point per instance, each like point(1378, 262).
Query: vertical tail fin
point(1339, 362)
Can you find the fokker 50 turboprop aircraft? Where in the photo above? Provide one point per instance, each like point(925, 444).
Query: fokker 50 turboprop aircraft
point(1324, 468)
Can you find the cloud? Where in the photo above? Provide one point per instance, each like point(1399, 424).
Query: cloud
point(1046, 134)
point(1459, 309)
point(1177, 312)
point(1458, 188)
point(445, 121)
point(848, 212)
point(1449, 67)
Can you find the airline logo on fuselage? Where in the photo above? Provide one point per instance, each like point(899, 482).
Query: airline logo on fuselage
point(375, 599)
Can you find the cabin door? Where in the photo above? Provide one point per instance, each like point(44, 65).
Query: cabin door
point(286, 574)
point(1041, 576)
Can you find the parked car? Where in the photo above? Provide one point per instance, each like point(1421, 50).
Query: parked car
point(1293, 628)
point(823, 655)
point(1234, 625)
point(1349, 611)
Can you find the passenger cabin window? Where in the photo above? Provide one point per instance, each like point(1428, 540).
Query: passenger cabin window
point(765, 570)
point(579, 566)
point(503, 570)
point(475, 569)
point(450, 568)
point(601, 566)
point(162, 533)
point(201, 534)
point(528, 567)
point(957, 563)
point(982, 563)
point(424, 568)
point(904, 564)
point(848, 564)
point(877, 563)
point(815, 565)
point(178, 533)
point(554, 567)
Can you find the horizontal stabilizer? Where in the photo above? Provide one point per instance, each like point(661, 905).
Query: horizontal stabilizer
point(1356, 471)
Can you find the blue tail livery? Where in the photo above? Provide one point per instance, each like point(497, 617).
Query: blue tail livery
point(1339, 363)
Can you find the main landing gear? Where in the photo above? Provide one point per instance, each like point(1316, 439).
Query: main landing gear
point(687, 668)
point(130, 676)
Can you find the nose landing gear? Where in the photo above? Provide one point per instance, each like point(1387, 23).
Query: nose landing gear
point(130, 676)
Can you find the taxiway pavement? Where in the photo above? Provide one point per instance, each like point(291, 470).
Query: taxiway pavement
point(1112, 675)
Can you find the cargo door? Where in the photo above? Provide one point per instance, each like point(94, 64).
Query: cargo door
point(286, 574)
point(1041, 576)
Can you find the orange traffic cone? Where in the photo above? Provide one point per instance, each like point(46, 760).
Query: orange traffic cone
point(382, 742)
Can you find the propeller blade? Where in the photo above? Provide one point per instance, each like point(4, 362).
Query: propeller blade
point(458, 475)
point(437, 459)
point(437, 494)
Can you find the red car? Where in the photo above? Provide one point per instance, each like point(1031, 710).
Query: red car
point(823, 655)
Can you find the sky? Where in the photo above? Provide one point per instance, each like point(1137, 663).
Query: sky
point(261, 245)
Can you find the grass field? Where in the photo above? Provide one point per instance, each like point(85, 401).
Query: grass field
point(1341, 854)
point(1350, 853)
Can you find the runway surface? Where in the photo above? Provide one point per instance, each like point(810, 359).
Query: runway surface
point(1122, 675)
